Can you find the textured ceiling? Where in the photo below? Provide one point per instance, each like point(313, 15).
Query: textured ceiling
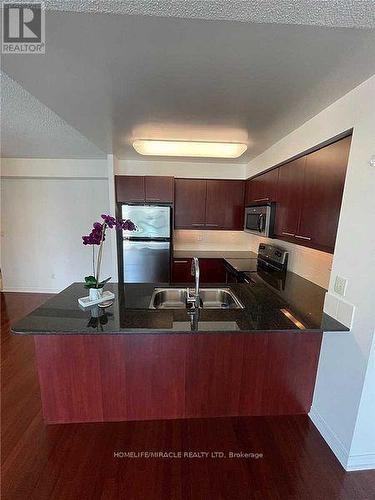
point(30, 129)
point(115, 78)
point(333, 13)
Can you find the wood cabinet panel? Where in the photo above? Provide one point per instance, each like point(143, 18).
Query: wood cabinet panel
point(190, 206)
point(289, 198)
point(213, 375)
point(325, 172)
point(212, 271)
point(159, 189)
point(130, 188)
point(143, 377)
point(181, 271)
point(225, 204)
point(263, 187)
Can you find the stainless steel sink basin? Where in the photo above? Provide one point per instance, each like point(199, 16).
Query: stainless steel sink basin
point(211, 298)
point(219, 298)
point(169, 298)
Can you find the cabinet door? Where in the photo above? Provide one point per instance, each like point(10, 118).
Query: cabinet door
point(289, 198)
point(130, 188)
point(159, 189)
point(263, 187)
point(225, 204)
point(248, 192)
point(212, 271)
point(190, 203)
point(325, 172)
point(181, 271)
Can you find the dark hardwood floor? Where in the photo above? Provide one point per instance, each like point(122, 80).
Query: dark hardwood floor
point(76, 461)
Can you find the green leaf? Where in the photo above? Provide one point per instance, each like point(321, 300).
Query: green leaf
point(90, 279)
point(105, 281)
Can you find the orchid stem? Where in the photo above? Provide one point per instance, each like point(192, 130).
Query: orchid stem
point(100, 252)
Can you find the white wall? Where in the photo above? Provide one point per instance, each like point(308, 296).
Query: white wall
point(182, 169)
point(362, 454)
point(344, 358)
point(43, 219)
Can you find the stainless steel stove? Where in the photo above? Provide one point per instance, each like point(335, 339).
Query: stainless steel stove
point(270, 265)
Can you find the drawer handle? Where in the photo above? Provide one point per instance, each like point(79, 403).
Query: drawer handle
point(197, 224)
point(288, 234)
point(303, 237)
point(262, 199)
point(153, 199)
point(181, 261)
point(213, 225)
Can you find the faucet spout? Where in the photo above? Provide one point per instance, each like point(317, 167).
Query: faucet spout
point(196, 273)
point(195, 299)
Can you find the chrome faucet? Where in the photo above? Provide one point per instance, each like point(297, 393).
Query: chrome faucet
point(195, 299)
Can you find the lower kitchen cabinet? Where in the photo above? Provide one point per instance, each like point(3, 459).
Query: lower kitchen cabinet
point(211, 271)
point(181, 271)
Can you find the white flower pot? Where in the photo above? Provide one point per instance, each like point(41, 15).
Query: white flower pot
point(95, 293)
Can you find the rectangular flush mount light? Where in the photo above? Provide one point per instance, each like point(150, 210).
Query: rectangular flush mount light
point(190, 148)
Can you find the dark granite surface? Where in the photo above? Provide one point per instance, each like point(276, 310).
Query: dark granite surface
point(130, 311)
point(240, 265)
point(214, 254)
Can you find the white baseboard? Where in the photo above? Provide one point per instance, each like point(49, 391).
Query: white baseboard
point(338, 448)
point(349, 462)
point(361, 462)
point(31, 290)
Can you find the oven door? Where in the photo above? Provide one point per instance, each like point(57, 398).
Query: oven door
point(255, 221)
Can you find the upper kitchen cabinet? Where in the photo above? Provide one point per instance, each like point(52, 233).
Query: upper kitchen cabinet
point(130, 188)
point(289, 198)
point(190, 204)
point(152, 189)
point(262, 188)
point(159, 189)
point(209, 204)
point(225, 204)
point(324, 180)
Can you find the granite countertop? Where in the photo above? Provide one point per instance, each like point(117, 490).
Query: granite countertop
point(214, 254)
point(265, 310)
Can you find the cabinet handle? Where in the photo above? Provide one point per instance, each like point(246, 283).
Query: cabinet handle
point(198, 225)
point(213, 225)
point(181, 261)
point(262, 199)
point(303, 237)
point(153, 199)
point(288, 234)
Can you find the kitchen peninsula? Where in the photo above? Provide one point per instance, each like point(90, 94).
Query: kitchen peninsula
point(131, 362)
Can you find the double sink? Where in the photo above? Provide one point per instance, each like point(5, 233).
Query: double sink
point(210, 298)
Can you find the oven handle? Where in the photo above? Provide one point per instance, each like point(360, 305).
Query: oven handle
point(261, 223)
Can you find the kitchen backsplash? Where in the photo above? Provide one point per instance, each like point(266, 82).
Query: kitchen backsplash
point(309, 263)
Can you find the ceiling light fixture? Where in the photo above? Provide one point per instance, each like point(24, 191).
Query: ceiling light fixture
point(190, 148)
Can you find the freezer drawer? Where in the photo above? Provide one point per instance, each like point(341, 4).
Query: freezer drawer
point(146, 261)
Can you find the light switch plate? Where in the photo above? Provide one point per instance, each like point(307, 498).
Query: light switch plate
point(340, 285)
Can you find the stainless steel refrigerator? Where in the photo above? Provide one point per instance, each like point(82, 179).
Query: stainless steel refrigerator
point(147, 251)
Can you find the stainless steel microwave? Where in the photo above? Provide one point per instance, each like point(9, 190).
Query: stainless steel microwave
point(260, 219)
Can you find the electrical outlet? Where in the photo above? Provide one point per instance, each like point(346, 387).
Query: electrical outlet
point(199, 237)
point(340, 285)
